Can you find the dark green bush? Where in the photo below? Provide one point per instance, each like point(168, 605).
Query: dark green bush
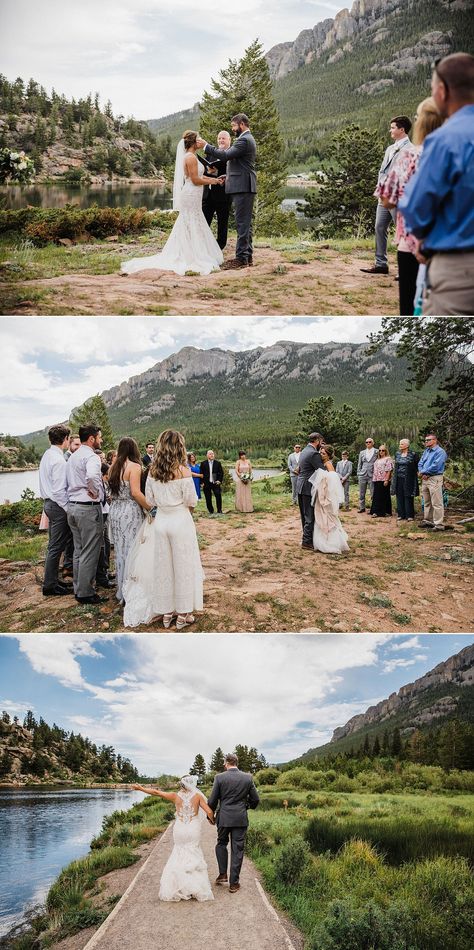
point(347, 927)
point(44, 225)
point(257, 840)
point(292, 861)
point(26, 512)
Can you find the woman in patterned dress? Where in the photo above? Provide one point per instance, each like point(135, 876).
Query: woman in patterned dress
point(127, 506)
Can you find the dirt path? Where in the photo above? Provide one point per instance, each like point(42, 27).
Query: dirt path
point(258, 579)
point(323, 281)
point(230, 922)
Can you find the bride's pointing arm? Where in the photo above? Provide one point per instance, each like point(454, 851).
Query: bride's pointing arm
point(169, 796)
point(192, 167)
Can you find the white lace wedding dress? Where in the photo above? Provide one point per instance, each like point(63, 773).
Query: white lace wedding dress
point(163, 573)
point(185, 874)
point(327, 494)
point(191, 245)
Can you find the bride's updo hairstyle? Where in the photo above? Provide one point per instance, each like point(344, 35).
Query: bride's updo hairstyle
point(329, 450)
point(189, 139)
point(170, 453)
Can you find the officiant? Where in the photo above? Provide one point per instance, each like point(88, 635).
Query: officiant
point(215, 201)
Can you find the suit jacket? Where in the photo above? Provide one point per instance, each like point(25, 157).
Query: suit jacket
point(365, 468)
point(240, 157)
point(293, 461)
point(146, 460)
point(310, 460)
point(344, 469)
point(390, 155)
point(234, 792)
point(216, 193)
point(217, 472)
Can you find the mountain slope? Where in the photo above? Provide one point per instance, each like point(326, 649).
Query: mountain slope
point(443, 693)
point(252, 398)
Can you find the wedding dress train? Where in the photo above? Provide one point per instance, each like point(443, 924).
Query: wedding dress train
point(327, 494)
point(185, 874)
point(191, 245)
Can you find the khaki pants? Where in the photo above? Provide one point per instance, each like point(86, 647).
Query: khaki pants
point(450, 286)
point(432, 492)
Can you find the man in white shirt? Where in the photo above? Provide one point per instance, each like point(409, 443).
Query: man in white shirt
point(293, 460)
point(399, 129)
point(365, 471)
point(52, 487)
point(84, 492)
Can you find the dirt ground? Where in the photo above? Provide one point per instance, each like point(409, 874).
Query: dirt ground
point(258, 579)
point(299, 282)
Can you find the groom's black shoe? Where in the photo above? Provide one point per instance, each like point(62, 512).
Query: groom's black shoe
point(250, 261)
point(222, 879)
point(233, 888)
point(307, 547)
point(95, 599)
point(59, 590)
point(234, 264)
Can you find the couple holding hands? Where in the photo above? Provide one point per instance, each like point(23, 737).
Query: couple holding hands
point(191, 246)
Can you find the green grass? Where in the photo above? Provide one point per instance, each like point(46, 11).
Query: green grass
point(21, 544)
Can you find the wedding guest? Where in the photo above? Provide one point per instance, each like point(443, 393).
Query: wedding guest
point(213, 476)
point(196, 472)
point(148, 456)
point(110, 457)
point(74, 445)
point(293, 460)
point(102, 577)
point(164, 572)
point(405, 481)
point(344, 470)
point(365, 472)
point(383, 468)
point(84, 485)
point(310, 460)
point(399, 129)
point(438, 203)
point(52, 488)
point(243, 488)
point(127, 505)
point(391, 190)
point(215, 201)
point(431, 468)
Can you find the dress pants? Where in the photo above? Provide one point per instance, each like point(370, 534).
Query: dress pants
point(87, 526)
point(211, 489)
point(59, 536)
point(405, 503)
point(219, 205)
point(102, 573)
point(365, 483)
point(237, 847)
point(346, 486)
point(407, 274)
point(307, 518)
point(294, 493)
point(383, 220)
point(243, 208)
point(432, 492)
point(449, 287)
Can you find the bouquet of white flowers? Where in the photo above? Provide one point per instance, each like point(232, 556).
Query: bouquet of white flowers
point(246, 477)
point(15, 166)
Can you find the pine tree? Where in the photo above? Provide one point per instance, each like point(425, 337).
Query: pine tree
point(245, 86)
point(199, 767)
point(366, 746)
point(376, 746)
point(217, 761)
point(396, 742)
point(94, 412)
point(339, 425)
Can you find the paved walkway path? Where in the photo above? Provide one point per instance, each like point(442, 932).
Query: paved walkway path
point(242, 921)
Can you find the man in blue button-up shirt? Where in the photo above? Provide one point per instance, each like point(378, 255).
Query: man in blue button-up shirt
point(438, 203)
point(431, 467)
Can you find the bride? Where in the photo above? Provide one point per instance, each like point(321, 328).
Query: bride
point(185, 874)
point(191, 245)
point(326, 495)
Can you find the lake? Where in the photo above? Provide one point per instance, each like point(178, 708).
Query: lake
point(42, 830)
point(12, 484)
point(112, 195)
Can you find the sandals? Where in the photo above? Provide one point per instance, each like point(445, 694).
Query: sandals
point(167, 620)
point(184, 620)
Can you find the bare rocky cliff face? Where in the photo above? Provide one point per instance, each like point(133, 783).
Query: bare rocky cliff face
point(284, 360)
point(371, 18)
point(458, 671)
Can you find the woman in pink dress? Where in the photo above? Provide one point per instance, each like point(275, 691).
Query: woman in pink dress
point(243, 490)
point(381, 500)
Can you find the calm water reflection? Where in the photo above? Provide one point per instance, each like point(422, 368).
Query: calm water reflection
point(41, 831)
point(113, 195)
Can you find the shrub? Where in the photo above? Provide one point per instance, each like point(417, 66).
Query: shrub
point(347, 927)
point(292, 861)
point(43, 225)
point(27, 512)
point(267, 776)
point(257, 840)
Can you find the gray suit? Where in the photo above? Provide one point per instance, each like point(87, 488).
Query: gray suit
point(241, 184)
point(234, 792)
point(310, 461)
point(344, 470)
point(365, 474)
point(385, 216)
point(293, 460)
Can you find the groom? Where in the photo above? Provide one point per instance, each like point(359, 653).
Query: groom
point(234, 792)
point(240, 183)
point(310, 460)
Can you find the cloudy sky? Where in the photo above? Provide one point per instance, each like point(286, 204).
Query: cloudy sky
point(149, 57)
point(52, 364)
point(162, 699)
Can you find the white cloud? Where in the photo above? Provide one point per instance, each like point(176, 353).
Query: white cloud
point(58, 655)
point(16, 708)
point(410, 643)
point(391, 665)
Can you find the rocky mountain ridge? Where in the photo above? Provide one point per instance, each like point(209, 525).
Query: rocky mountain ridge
point(457, 671)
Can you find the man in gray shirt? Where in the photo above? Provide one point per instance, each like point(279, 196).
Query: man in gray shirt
point(84, 487)
point(344, 470)
point(365, 471)
point(293, 462)
point(234, 792)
